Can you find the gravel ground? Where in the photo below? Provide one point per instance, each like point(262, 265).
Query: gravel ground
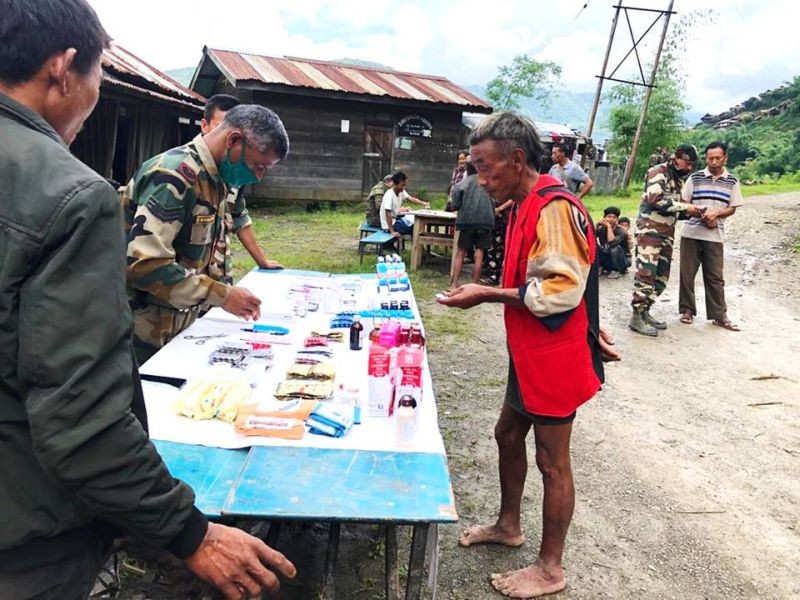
point(687, 464)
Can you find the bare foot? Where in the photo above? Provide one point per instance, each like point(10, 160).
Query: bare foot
point(530, 582)
point(489, 534)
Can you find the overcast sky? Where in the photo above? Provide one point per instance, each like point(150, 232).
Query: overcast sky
point(747, 50)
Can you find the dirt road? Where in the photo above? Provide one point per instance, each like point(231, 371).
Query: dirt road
point(687, 464)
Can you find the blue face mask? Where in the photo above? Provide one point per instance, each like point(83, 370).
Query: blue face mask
point(236, 174)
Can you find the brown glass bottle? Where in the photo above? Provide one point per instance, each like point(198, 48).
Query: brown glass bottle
point(356, 334)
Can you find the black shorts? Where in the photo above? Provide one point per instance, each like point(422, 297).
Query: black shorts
point(514, 399)
point(475, 238)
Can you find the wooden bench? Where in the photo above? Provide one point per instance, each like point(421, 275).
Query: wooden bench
point(365, 229)
point(379, 240)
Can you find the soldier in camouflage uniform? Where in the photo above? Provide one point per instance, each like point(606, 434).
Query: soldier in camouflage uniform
point(374, 199)
point(237, 219)
point(175, 209)
point(656, 158)
point(660, 208)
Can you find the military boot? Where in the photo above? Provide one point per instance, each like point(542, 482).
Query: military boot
point(651, 320)
point(640, 325)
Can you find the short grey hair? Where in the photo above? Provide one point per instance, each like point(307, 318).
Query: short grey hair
point(261, 126)
point(512, 131)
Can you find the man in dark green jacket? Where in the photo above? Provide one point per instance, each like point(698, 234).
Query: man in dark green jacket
point(76, 465)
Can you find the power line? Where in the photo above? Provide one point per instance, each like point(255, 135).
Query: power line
point(583, 8)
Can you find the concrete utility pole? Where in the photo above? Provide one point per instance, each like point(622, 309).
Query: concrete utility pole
point(643, 114)
point(649, 85)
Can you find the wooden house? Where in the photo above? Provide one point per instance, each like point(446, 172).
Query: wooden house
point(141, 112)
point(348, 125)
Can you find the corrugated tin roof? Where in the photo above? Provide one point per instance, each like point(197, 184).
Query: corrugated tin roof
point(338, 77)
point(124, 69)
point(114, 82)
point(556, 130)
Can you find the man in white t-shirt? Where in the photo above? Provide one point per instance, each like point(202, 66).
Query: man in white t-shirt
point(393, 217)
point(719, 193)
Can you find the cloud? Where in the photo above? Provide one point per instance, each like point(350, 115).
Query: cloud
point(749, 49)
point(740, 55)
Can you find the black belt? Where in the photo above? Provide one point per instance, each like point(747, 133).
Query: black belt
point(143, 299)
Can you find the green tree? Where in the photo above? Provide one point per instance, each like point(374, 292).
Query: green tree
point(663, 125)
point(525, 78)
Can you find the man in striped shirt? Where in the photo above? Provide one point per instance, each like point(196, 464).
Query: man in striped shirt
point(702, 237)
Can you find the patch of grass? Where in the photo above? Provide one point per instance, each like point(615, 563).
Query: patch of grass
point(318, 241)
point(378, 548)
point(448, 435)
point(627, 204)
point(492, 382)
point(328, 241)
point(451, 322)
point(439, 320)
point(763, 189)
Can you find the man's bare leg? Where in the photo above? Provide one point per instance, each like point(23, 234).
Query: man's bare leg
point(510, 432)
point(458, 264)
point(476, 268)
point(546, 575)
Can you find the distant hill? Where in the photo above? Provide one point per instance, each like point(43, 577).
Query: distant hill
point(762, 133)
point(182, 75)
point(572, 109)
point(565, 108)
point(357, 62)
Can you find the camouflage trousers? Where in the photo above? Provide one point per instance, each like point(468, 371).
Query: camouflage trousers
point(373, 215)
point(653, 261)
point(154, 326)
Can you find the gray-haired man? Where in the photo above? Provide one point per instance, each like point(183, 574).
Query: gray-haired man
point(550, 293)
point(175, 208)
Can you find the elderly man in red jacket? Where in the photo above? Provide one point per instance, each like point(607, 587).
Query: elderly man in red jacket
point(549, 289)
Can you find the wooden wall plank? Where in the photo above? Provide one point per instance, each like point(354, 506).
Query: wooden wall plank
point(326, 164)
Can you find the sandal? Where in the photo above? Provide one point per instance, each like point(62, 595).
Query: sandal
point(726, 324)
point(687, 318)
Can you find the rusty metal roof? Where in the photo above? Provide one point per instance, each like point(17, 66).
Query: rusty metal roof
point(123, 69)
point(339, 77)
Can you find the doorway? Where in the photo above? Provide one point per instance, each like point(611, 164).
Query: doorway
point(378, 145)
point(120, 164)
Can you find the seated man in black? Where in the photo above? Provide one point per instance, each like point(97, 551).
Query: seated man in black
point(611, 244)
